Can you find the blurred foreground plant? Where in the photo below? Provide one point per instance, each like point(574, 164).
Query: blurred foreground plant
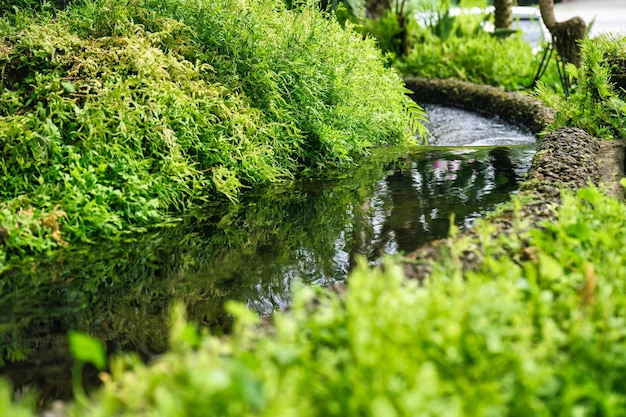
point(536, 329)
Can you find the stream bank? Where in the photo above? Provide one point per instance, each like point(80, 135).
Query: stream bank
point(567, 158)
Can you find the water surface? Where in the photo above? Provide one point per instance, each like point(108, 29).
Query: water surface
point(456, 127)
point(309, 232)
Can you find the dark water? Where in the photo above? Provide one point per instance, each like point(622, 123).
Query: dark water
point(309, 232)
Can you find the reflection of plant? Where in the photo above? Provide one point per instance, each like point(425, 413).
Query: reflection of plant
point(446, 169)
point(426, 189)
point(11, 352)
point(121, 292)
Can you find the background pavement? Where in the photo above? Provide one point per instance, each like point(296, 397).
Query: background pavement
point(607, 15)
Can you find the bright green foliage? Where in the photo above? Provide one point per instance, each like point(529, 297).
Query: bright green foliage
point(227, 252)
point(471, 54)
point(595, 104)
point(392, 37)
point(9, 7)
point(115, 114)
point(458, 47)
point(87, 349)
point(534, 331)
point(10, 408)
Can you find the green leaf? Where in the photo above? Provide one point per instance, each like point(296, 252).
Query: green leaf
point(68, 86)
point(592, 195)
point(87, 349)
point(549, 267)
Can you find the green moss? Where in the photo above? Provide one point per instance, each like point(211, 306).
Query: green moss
point(116, 115)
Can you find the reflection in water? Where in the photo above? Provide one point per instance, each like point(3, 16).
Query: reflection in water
point(309, 232)
point(414, 203)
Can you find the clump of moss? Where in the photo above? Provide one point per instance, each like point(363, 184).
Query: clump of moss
point(118, 114)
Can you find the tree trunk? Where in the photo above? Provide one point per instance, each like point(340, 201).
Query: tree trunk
point(376, 8)
point(503, 13)
point(546, 7)
point(566, 35)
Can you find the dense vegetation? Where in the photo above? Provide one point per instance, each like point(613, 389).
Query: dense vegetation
point(439, 44)
point(598, 102)
point(117, 115)
point(520, 336)
point(537, 329)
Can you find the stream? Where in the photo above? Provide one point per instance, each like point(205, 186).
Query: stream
point(308, 232)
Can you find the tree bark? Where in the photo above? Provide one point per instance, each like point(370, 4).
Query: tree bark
point(376, 8)
point(546, 7)
point(566, 35)
point(503, 13)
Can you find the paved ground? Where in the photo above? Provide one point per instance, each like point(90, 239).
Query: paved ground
point(606, 15)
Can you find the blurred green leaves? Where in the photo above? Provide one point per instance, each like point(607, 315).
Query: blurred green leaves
point(87, 349)
point(513, 337)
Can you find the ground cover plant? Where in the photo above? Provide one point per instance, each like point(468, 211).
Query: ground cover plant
point(538, 329)
point(459, 47)
point(474, 56)
point(424, 38)
point(116, 114)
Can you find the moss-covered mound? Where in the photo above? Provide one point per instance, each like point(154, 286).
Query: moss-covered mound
point(116, 114)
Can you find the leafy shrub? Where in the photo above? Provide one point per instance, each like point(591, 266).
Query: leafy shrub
point(458, 47)
point(595, 105)
point(392, 32)
point(475, 56)
point(118, 113)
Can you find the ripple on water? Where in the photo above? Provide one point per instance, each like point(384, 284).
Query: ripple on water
point(454, 127)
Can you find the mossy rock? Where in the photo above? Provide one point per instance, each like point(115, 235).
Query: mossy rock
point(512, 106)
